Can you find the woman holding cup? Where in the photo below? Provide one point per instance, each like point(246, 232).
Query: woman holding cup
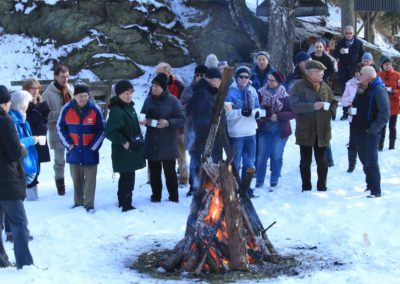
point(19, 106)
point(37, 115)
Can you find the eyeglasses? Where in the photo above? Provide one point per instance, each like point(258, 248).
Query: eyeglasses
point(243, 77)
point(271, 80)
point(199, 75)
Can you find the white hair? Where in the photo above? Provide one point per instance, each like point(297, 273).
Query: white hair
point(211, 61)
point(348, 28)
point(369, 71)
point(20, 99)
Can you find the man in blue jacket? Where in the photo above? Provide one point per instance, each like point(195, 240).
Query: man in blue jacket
point(12, 186)
point(80, 128)
point(372, 114)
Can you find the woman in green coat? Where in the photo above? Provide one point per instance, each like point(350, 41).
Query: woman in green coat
point(127, 151)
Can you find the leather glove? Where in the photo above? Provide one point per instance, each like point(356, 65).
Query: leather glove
point(246, 112)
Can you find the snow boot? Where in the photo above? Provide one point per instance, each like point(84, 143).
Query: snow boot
point(60, 186)
point(352, 156)
point(391, 144)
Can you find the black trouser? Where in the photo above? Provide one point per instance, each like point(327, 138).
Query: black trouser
point(305, 166)
point(126, 184)
point(170, 178)
point(392, 130)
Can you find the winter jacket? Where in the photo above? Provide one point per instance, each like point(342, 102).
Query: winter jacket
point(24, 132)
point(12, 175)
point(328, 63)
point(239, 125)
point(392, 79)
point(372, 109)
point(312, 123)
point(162, 143)
point(283, 116)
point(259, 78)
point(121, 126)
point(347, 62)
point(349, 92)
point(186, 98)
point(54, 99)
point(293, 77)
point(37, 116)
point(83, 128)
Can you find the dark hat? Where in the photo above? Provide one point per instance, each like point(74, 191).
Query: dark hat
point(213, 73)
point(122, 86)
point(302, 56)
point(279, 77)
point(78, 89)
point(162, 80)
point(5, 96)
point(384, 59)
point(200, 69)
point(314, 64)
point(263, 53)
point(241, 69)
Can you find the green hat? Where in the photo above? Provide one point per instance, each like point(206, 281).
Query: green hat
point(314, 64)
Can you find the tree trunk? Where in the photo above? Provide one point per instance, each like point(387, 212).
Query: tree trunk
point(348, 15)
point(281, 34)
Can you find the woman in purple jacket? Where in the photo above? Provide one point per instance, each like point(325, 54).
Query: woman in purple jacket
point(274, 129)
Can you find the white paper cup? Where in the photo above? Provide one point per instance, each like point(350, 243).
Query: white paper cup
point(346, 50)
point(263, 112)
point(389, 89)
point(326, 105)
point(353, 111)
point(228, 106)
point(153, 123)
point(42, 140)
point(142, 116)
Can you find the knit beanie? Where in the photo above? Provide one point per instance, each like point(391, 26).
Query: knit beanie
point(384, 59)
point(211, 61)
point(122, 86)
point(240, 70)
point(213, 73)
point(200, 69)
point(262, 53)
point(5, 96)
point(302, 56)
point(279, 77)
point(162, 80)
point(78, 89)
point(367, 56)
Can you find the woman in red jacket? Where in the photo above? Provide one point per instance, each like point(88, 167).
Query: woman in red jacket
point(391, 78)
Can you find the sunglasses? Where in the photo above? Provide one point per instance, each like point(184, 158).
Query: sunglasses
point(243, 77)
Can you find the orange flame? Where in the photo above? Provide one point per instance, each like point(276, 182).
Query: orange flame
point(216, 205)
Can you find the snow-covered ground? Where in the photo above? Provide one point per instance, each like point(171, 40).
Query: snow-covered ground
point(72, 246)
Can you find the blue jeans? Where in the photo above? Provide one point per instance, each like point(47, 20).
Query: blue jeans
point(270, 145)
point(15, 211)
point(367, 147)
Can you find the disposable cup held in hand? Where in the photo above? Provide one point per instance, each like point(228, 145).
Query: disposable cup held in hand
point(353, 111)
point(346, 50)
point(142, 116)
point(327, 105)
point(228, 106)
point(42, 140)
point(389, 89)
point(263, 113)
point(153, 123)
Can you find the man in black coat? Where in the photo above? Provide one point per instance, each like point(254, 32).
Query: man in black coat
point(372, 114)
point(348, 52)
point(12, 185)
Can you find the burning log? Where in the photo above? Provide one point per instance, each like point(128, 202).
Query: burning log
point(223, 229)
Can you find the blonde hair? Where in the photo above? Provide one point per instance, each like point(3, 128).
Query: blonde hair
point(19, 99)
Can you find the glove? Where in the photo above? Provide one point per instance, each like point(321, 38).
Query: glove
point(246, 112)
point(257, 115)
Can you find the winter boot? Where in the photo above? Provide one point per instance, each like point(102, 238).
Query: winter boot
point(352, 156)
point(3, 257)
point(391, 144)
point(31, 194)
point(345, 113)
point(60, 186)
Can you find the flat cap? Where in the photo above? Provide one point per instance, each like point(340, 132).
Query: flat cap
point(314, 64)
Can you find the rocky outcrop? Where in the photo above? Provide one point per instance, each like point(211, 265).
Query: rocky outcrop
point(120, 34)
